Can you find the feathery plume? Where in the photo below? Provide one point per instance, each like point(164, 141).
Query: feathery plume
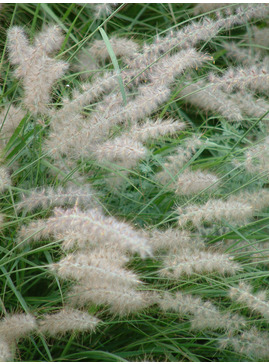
point(256, 302)
point(241, 54)
point(257, 199)
point(37, 69)
point(174, 240)
point(257, 157)
point(80, 137)
point(50, 197)
point(153, 129)
point(251, 343)
point(89, 267)
point(166, 70)
point(90, 58)
point(123, 149)
point(176, 162)
point(250, 105)
point(149, 97)
point(122, 47)
point(121, 300)
point(203, 95)
point(112, 112)
point(90, 228)
point(6, 353)
point(103, 9)
point(259, 37)
point(205, 314)
point(188, 262)
point(33, 232)
point(216, 210)
point(86, 64)
point(90, 92)
point(254, 77)
point(191, 182)
point(49, 40)
point(196, 32)
point(16, 326)
point(67, 319)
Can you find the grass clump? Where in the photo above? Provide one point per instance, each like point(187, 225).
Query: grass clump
point(134, 181)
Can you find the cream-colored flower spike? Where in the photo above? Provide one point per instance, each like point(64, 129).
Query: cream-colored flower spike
point(94, 268)
point(5, 351)
point(87, 228)
point(204, 313)
point(66, 320)
point(189, 262)
point(48, 197)
point(12, 328)
point(120, 299)
point(191, 182)
point(215, 210)
point(16, 326)
point(35, 66)
point(256, 302)
point(252, 343)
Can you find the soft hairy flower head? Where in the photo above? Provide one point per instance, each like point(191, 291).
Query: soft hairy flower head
point(16, 326)
point(119, 299)
point(174, 240)
point(189, 262)
point(252, 343)
point(87, 228)
point(35, 66)
point(256, 302)
point(191, 182)
point(96, 268)
point(47, 197)
point(6, 354)
point(204, 314)
point(215, 210)
point(68, 319)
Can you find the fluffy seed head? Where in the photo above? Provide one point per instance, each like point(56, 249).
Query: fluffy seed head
point(6, 354)
point(121, 300)
point(16, 326)
point(216, 210)
point(191, 182)
point(256, 302)
point(66, 320)
point(204, 315)
point(189, 262)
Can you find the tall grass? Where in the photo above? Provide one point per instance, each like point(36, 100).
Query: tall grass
point(134, 181)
